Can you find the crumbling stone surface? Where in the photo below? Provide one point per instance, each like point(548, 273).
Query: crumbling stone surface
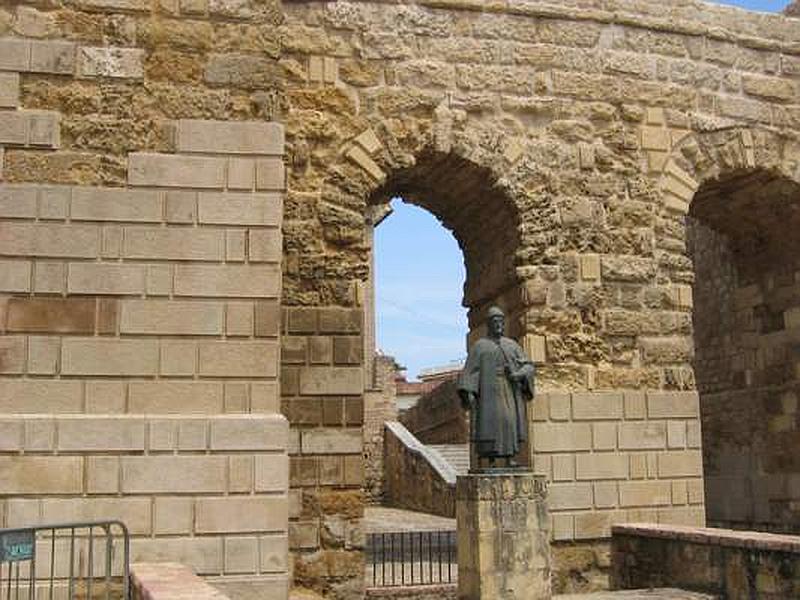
point(724, 563)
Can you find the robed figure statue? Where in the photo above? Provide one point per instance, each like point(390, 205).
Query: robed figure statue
point(496, 384)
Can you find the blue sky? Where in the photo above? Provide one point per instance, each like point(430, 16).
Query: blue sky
point(760, 5)
point(420, 278)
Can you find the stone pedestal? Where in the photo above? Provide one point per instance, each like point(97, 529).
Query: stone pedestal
point(503, 536)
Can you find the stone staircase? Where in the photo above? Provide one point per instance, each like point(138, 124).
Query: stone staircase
point(457, 455)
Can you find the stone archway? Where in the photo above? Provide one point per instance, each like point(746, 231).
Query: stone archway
point(469, 202)
point(738, 191)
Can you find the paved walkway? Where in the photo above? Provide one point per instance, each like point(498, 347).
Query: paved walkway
point(660, 594)
point(380, 519)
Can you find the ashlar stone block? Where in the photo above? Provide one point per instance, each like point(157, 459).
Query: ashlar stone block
point(87, 356)
point(15, 276)
point(238, 359)
point(226, 137)
point(169, 170)
point(115, 204)
point(163, 317)
point(174, 474)
point(15, 54)
point(118, 63)
point(331, 380)
point(231, 281)
point(50, 239)
point(41, 474)
point(9, 90)
point(240, 515)
point(262, 432)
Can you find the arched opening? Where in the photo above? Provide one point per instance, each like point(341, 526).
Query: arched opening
point(471, 205)
point(743, 238)
point(468, 201)
point(419, 282)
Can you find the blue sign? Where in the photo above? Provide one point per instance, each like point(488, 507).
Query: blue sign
point(17, 545)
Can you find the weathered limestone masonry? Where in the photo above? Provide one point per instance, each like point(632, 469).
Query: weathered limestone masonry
point(564, 144)
point(503, 536)
point(379, 407)
point(736, 565)
point(141, 285)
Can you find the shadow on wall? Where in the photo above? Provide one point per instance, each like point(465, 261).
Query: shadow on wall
point(438, 417)
point(742, 237)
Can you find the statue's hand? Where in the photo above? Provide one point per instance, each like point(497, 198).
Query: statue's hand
point(468, 401)
point(517, 376)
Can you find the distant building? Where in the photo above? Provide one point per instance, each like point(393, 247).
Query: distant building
point(409, 392)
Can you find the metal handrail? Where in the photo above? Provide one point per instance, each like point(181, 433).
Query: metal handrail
point(18, 548)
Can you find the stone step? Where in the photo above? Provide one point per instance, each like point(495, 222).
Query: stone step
point(457, 455)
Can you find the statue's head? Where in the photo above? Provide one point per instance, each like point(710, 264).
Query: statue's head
point(496, 320)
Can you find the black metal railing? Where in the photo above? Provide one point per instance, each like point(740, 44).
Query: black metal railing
point(401, 558)
point(88, 560)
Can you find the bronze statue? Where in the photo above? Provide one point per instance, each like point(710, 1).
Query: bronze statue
point(496, 384)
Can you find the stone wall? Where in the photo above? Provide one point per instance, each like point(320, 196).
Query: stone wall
point(614, 457)
point(379, 408)
point(723, 563)
point(747, 298)
point(438, 418)
point(207, 491)
point(147, 244)
point(322, 396)
point(141, 259)
point(407, 460)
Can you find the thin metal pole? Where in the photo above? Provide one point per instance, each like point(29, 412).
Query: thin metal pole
point(71, 584)
point(391, 539)
point(90, 564)
point(126, 543)
point(430, 557)
point(383, 559)
point(421, 554)
point(402, 559)
point(32, 573)
point(374, 553)
point(450, 545)
point(16, 581)
point(439, 553)
point(52, 561)
point(109, 549)
point(411, 555)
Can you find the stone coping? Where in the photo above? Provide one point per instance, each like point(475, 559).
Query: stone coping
point(170, 581)
point(414, 592)
point(708, 536)
point(443, 468)
point(752, 29)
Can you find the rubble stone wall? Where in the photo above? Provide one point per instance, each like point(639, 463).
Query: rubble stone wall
point(724, 563)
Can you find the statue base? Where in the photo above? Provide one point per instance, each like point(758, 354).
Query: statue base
point(503, 536)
